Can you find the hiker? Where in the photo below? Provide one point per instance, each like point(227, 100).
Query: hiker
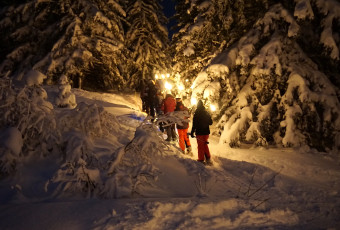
point(182, 130)
point(159, 98)
point(152, 98)
point(200, 125)
point(144, 95)
point(159, 101)
point(148, 96)
point(168, 106)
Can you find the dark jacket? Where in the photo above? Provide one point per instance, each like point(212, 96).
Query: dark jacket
point(201, 121)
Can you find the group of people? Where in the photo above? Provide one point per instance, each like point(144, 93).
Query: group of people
point(154, 104)
point(151, 96)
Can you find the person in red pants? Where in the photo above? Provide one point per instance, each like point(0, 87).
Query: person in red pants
point(200, 125)
point(182, 129)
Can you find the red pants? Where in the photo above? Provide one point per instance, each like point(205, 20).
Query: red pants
point(203, 149)
point(183, 138)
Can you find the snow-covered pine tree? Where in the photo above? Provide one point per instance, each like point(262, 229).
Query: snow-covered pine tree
point(82, 170)
point(279, 84)
point(65, 97)
point(27, 117)
point(81, 39)
point(27, 30)
point(147, 39)
point(183, 42)
point(206, 28)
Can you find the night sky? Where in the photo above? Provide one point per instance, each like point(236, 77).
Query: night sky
point(169, 7)
point(169, 11)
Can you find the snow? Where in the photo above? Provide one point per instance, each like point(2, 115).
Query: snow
point(250, 67)
point(34, 77)
point(189, 50)
point(330, 8)
point(10, 138)
point(65, 98)
point(19, 52)
point(278, 12)
point(293, 137)
point(247, 188)
point(101, 18)
point(303, 9)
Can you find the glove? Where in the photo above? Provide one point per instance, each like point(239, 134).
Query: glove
point(192, 134)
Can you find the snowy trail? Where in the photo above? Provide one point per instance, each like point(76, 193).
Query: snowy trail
point(304, 180)
point(281, 187)
point(325, 172)
point(268, 179)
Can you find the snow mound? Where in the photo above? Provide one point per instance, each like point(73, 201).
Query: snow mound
point(11, 139)
point(202, 215)
point(34, 77)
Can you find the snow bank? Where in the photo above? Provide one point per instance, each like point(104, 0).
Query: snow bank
point(11, 139)
point(11, 143)
point(201, 214)
point(34, 77)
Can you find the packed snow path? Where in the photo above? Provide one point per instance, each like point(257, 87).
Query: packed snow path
point(249, 188)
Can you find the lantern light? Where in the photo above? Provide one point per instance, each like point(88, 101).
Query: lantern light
point(213, 108)
point(156, 76)
point(163, 76)
point(168, 86)
point(181, 87)
point(193, 101)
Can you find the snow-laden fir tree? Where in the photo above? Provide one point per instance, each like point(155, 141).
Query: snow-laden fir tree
point(65, 97)
point(82, 39)
point(27, 122)
point(147, 39)
point(206, 28)
point(279, 83)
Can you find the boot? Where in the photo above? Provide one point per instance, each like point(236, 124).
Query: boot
point(208, 162)
point(189, 151)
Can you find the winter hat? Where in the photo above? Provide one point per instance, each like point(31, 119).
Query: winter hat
point(200, 105)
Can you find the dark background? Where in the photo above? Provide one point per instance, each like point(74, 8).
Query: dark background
point(169, 11)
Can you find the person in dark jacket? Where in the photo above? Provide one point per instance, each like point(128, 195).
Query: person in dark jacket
point(159, 98)
point(144, 95)
point(182, 129)
point(200, 125)
point(152, 98)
